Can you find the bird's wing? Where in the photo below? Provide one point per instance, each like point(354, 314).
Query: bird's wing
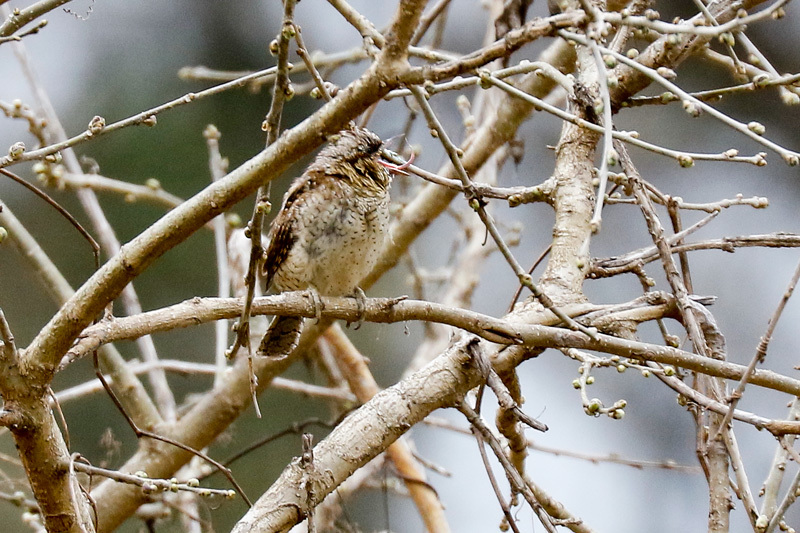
point(281, 232)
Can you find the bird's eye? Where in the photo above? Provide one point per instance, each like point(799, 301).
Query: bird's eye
point(369, 148)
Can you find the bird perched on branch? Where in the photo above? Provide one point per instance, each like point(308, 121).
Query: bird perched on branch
point(332, 224)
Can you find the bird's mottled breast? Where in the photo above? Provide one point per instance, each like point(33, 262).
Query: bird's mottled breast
point(334, 219)
point(338, 232)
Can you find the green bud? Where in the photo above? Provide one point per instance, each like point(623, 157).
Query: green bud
point(289, 31)
point(594, 406)
point(761, 80)
point(97, 124)
point(791, 159)
point(652, 14)
point(16, 150)
point(727, 38)
point(756, 127)
point(233, 220)
point(485, 79)
point(790, 98)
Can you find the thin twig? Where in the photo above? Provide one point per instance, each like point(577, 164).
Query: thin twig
point(427, 19)
point(218, 167)
point(9, 348)
point(150, 485)
point(750, 130)
point(664, 251)
point(20, 17)
point(297, 428)
point(19, 36)
point(689, 27)
point(145, 117)
point(302, 51)
point(628, 137)
point(515, 478)
point(150, 192)
point(462, 82)
point(536, 263)
point(611, 458)
point(777, 470)
point(791, 493)
point(761, 351)
point(742, 488)
point(487, 467)
point(629, 262)
point(188, 368)
point(271, 125)
point(63, 212)
point(711, 19)
point(608, 137)
point(514, 195)
point(151, 435)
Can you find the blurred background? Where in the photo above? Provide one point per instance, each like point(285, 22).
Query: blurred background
point(115, 58)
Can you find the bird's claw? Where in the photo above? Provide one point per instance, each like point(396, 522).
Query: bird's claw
point(316, 301)
point(361, 307)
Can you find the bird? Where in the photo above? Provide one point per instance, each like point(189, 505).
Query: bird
point(332, 225)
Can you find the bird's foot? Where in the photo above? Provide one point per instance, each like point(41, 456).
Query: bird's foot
point(316, 301)
point(361, 306)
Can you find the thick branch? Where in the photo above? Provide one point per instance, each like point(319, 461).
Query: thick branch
point(508, 330)
point(362, 436)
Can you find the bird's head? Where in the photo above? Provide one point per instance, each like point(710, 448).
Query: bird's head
point(355, 155)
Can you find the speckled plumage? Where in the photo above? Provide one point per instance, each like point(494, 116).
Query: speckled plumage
point(334, 219)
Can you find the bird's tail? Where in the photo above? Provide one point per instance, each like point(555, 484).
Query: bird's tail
point(281, 337)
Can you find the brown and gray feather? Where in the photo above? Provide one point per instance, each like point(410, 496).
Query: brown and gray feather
point(334, 219)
